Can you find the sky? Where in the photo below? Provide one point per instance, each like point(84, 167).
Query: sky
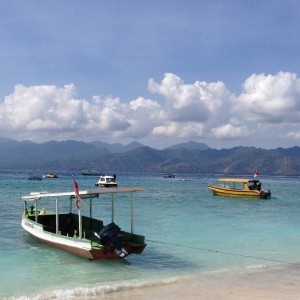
point(161, 72)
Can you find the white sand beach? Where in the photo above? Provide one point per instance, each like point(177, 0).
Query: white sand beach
point(275, 284)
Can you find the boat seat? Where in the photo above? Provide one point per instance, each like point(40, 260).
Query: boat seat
point(96, 245)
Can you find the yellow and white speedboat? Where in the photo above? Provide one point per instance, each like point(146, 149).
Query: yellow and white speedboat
point(235, 187)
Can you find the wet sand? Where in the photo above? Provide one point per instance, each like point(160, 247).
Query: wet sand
point(275, 284)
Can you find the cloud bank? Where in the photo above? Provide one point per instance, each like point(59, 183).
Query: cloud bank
point(267, 108)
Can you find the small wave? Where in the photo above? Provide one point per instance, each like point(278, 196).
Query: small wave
point(5, 241)
point(93, 291)
point(256, 267)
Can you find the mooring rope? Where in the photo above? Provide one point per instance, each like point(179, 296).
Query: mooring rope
point(222, 252)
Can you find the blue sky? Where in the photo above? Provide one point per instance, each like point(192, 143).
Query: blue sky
point(160, 72)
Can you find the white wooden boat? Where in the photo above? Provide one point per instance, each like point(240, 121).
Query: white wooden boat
point(82, 235)
point(107, 181)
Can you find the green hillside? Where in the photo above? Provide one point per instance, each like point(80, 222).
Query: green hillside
point(74, 155)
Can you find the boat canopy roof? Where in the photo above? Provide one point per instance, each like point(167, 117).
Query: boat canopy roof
point(84, 194)
point(238, 180)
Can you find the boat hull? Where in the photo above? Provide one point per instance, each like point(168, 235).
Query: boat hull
point(91, 174)
point(52, 176)
point(74, 250)
point(76, 246)
point(219, 190)
point(106, 185)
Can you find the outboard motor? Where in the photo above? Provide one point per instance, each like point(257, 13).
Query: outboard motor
point(111, 235)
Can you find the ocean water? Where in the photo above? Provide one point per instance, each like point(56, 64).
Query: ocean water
point(188, 231)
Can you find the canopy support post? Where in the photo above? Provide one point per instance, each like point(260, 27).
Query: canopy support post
point(132, 212)
point(56, 217)
point(35, 212)
point(91, 209)
point(113, 207)
point(80, 223)
point(71, 200)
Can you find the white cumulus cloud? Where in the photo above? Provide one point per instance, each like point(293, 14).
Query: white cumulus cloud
point(41, 113)
point(190, 110)
point(230, 131)
point(198, 102)
point(271, 98)
point(40, 108)
point(294, 135)
point(267, 109)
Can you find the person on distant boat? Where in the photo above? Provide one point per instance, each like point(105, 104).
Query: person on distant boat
point(114, 176)
point(259, 186)
point(43, 211)
point(253, 186)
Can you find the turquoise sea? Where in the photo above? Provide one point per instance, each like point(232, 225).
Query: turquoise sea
point(188, 231)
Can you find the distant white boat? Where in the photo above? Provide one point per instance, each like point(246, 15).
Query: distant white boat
point(107, 181)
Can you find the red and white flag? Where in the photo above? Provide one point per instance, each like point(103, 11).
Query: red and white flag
point(77, 196)
point(256, 174)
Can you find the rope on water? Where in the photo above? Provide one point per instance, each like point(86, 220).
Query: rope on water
point(222, 252)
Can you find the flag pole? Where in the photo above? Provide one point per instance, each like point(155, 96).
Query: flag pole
point(80, 223)
point(78, 205)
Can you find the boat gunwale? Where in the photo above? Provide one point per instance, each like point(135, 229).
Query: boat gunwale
point(232, 190)
point(53, 233)
point(55, 238)
point(84, 247)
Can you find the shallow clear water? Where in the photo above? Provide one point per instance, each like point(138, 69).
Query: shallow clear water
point(188, 231)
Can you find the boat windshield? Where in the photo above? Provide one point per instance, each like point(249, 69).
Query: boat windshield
point(254, 185)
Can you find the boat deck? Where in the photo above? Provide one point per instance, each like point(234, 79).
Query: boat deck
point(69, 228)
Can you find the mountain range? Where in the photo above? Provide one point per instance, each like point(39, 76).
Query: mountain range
point(191, 157)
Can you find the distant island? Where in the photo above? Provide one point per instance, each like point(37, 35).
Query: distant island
point(191, 157)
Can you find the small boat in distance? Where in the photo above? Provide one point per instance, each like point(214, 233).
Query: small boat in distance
point(169, 176)
point(248, 188)
point(51, 175)
point(35, 177)
point(107, 181)
point(79, 233)
point(91, 173)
